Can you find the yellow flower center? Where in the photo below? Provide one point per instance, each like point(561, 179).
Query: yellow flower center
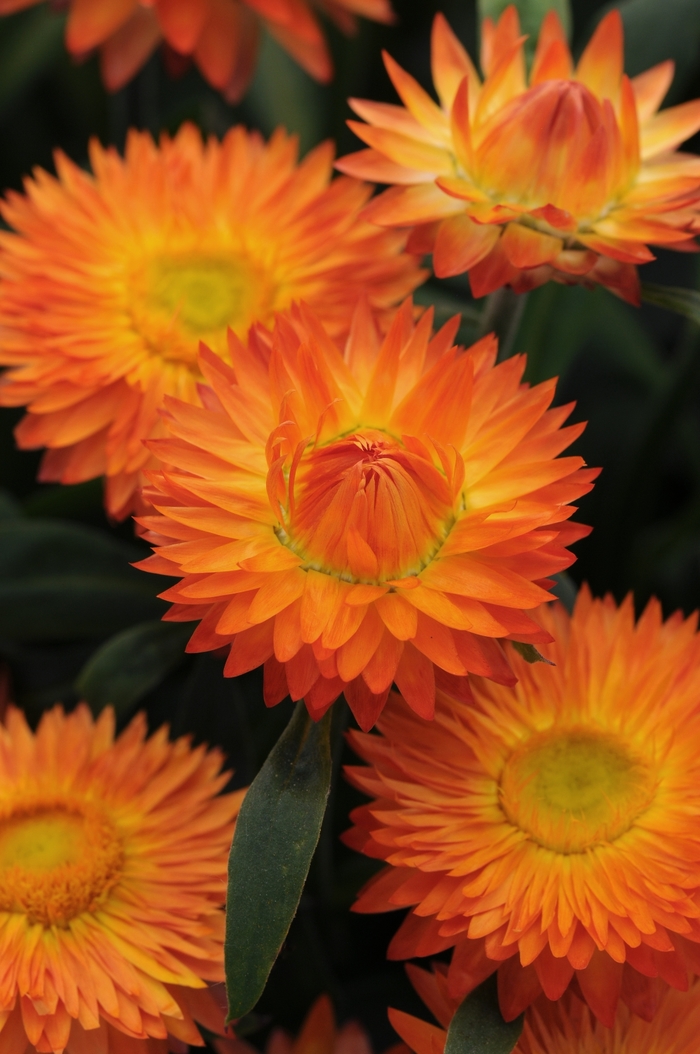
point(57, 860)
point(178, 299)
point(571, 790)
point(366, 508)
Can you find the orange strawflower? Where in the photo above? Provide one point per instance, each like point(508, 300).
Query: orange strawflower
point(566, 175)
point(565, 1027)
point(111, 280)
point(112, 886)
point(221, 36)
point(319, 1034)
point(354, 519)
point(550, 831)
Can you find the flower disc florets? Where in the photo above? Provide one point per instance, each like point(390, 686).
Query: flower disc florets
point(566, 174)
point(548, 832)
point(112, 884)
point(109, 282)
point(354, 518)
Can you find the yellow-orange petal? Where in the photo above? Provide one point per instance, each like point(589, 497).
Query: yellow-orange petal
point(218, 235)
point(552, 156)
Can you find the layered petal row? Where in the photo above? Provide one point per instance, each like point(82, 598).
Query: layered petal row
point(110, 280)
point(112, 886)
point(564, 1027)
point(548, 832)
point(220, 36)
point(385, 513)
point(568, 174)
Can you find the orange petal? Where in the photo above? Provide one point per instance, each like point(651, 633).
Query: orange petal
point(601, 65)
point(181, 22)
point(353, 656)
point(494, 271)
point(319, 602)
point(416, 100)
point(411, 153)
point(380, 671)
point(650, 88)
point(282, 589)
point(415, 680)
point(600, 984)
point(421, 1036)
point(404, 206)
point(90, 23)
point(668, 129)
point(275, 687)
point(450, 63)
point(552, 59)
point(250, 649)
point(370, 164)
point(526, 247)
point(302, 672)
point(461, 243)
point(625, 251)
point(399, 617)
point(365, 705)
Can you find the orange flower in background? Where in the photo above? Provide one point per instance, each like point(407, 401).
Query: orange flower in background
point(110, 281)
point(221, 36)
point(550, 831)
point(565, 1027)
point(567, 175)
point(355, 519)
point(319, 1034)
point(112, 885)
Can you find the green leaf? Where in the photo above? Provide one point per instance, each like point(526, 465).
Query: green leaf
point(530, 653)
point(656, 31)
point(64, 581)
point(478, 1026)
point(531, 14)
point(282, 93)
point(10, 508)
point(276, 834)
point(29, 43)
point(128, 665)
point(682, 301)
point(559, 321)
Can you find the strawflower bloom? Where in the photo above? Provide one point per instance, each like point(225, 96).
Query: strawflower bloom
point(565, 1027)
point(319, 1034)
point(566, 175)
point(354, 519)
point(112, 886)
point(221, 36)
point(109, 281)
point(550, 831)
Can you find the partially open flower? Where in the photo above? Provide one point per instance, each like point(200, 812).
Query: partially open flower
point(568, 175)
point(221, 36)
point(550, 831)
point(319, 1034)
point(112, 886)
point(110, 281)
point(565, 1027)
point(354, 519)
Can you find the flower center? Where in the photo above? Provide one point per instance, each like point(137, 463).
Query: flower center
point(574, 789)
point(366, 508)
point(181, 298)
point(57, 861)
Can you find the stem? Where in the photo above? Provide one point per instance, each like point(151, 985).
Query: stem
point(502, 315)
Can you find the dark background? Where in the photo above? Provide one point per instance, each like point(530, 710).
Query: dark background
point(634, 374)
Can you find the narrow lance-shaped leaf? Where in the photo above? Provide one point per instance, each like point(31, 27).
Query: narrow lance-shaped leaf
point(276, 834)
point(132, 662)
point(682, 301)
point(478, 1026)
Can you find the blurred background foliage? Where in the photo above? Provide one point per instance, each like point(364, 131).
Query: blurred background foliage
point(77, 620)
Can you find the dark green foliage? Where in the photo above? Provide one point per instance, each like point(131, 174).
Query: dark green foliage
point(276, 834)
point(479, 1028)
